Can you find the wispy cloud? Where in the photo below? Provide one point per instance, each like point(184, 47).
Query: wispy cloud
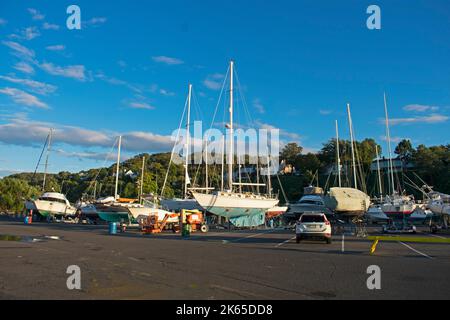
point(28, 33)
point(283, 133)
point(24, 67)
point(141, 105)
point(77, 72)
point(3, 22)
point(325, 112)
point(259, 106)
point(23, 98)
point(214, 81)
point(395, 139)
point(166, 93)
point(36, 86)
point(56, 47)
point(94, 22)
point(19, 50)
point(35, 14)
point(433, 118)
point(50, 26)
point(420, 108)
point(117, 82)
point(167, 60)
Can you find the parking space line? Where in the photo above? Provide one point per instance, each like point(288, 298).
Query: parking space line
point(284, 242)
point(436, 236)
point(416, 251)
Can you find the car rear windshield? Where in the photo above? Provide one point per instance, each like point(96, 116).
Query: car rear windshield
point(311, 218)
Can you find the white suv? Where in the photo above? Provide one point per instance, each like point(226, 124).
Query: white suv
point(313, 225)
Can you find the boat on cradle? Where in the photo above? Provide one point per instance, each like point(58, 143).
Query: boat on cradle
point(54, 204)
point(311, 201)
point(439, 203)
point(243, 209)
point(276, 212)
point(376, 215)
point(347, 201)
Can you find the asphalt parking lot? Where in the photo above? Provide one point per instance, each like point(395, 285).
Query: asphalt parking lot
point(256, 264)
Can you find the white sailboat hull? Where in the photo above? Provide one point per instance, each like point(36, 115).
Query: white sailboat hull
point(232, 205)
point(46, 208)
point(178, 204)
point(144, 212)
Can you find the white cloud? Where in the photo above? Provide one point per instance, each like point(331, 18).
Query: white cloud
point(395, 139)
point(23, 98)
point(433, 118)
point(56, 47)
point(36, 86)
point(35, 14)
point(50, 26)
point(19, 49)
point(325, 112)
point(28, 33)
point(3, 22)
point(122, 64)
point(75, 72)
point(166, 93)
point(32, 133)
point(283, 133)
point(259, 106)
point(213, 82)
point(420, 108)
point(24, 67)
point(117, 82)
point(167, 60)
point(141, 105)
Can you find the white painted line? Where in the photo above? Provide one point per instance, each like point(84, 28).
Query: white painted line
point(284, 242)
point(436, 236)
point(416, 251)
point(343, 245)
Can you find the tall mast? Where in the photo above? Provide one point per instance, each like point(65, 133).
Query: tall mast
point(46, 159)
point(350, 124)
point(338, 155)
point(141, 187)
point(223, 162)
point(186, 172)
point(269, 182)
point(116, 195)
point(206, 165)
point(379, 175)
point(388, 137)
point(230, 155)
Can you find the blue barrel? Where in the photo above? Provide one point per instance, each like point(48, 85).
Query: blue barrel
point(112, 228)
point(25, 220)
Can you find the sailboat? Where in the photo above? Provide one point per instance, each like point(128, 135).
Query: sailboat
point(347, 201)
point(242, 209)
point(50, 204)
point(113, 208)
point(187, 203)
point(395, 205)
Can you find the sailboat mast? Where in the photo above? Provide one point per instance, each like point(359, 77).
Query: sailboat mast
point(338, 155)
point(186, 172)
point(116, 195)
point(388, 137)
point(269, 182)
point(206, 165)
point(350, 124)
point(379, 175)
point(141, 187)
point(46, 159)
point(230, 155)
point(223, 162)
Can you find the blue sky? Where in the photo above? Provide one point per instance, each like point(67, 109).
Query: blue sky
point(299, 62)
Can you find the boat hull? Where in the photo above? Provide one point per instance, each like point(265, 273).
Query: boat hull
point(50, 208)
point(231, 205)
point(179, 204)
point(347, 201)
point(143, 212)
